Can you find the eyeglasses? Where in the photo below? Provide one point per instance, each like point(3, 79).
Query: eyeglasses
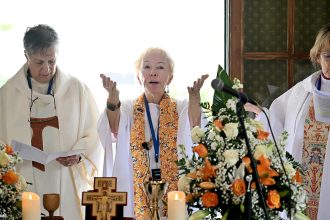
point(325, 55)
point(32, 101)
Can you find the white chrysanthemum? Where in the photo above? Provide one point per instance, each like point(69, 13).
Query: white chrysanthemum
point(289, 170)
point(21, 183)
point(258, 124)
point(260, 150)
point(211, 135)
point(4, 158)
point(196, 134)
point(231, 157)
point(231, 130)
point(231, 104)
point(213, 146)
point(184, 183)
point(219, 138)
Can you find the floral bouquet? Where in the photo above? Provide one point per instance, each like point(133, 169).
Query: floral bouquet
point(218, 179)
point(12, 184)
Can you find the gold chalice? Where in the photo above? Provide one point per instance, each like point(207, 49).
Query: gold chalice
point(155, 190)
point(51, 202)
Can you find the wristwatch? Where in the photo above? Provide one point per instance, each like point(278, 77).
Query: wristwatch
point(113, 107)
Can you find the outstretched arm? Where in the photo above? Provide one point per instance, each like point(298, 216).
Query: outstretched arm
point(194, 109)
point(113, 102)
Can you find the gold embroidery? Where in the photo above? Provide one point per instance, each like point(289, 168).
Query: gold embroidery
point(315, 143)
point(168, 129)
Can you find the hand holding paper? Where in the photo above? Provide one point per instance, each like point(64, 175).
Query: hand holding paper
point(28, 152)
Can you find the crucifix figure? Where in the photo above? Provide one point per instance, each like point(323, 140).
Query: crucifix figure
point(104, 201)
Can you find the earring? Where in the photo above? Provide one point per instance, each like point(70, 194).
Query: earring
point(167, 89)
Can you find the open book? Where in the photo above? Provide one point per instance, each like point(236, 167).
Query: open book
point(28, 152)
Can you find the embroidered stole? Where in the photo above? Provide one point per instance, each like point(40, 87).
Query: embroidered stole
point(315, 143)
point(168, 131)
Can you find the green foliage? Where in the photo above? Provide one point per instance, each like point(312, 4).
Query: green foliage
point(220, 98)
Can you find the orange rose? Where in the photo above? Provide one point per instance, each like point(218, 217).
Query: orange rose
point(9, 149)
point(273, 199)
point(10, 177)
point(297, 177)
point(262, 135)
point(239, 187)
point(217, 123)
point(201, 150)
point(210, 199)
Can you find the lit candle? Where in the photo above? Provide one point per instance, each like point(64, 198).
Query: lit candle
point(176, 205)
point(30, 206)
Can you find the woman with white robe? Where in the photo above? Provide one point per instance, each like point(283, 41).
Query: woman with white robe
point(45, 108)
point(304, 111)
point(153, 121)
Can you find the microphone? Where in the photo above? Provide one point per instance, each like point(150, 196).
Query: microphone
point(219, 86)
point(145, 146)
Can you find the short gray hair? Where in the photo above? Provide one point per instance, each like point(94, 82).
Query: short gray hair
point(39, 38)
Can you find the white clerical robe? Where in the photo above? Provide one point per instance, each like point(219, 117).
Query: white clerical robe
point(77, 116)
point(288, 112)
point(118, 160)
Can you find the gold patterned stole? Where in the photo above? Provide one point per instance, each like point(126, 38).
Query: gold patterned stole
point(315, 143)
point(168, 131)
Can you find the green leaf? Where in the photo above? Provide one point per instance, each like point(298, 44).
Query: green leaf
point(199, 215)
point(225, 216)
point(283, 193)
point(300, 216)
point(220, 98)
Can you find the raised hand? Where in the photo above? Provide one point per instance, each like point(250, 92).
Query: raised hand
point(195, 89)
point(111, 87)
point(194, 109)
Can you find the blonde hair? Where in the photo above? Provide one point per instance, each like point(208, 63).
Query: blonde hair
point(322, 42)
point(139, 61)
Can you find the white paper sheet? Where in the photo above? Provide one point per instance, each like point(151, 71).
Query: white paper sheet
point(28, 152)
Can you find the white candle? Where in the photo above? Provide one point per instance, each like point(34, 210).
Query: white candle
point(30, 206)
point(176, 205)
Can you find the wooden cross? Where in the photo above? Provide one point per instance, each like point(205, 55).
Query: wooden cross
point(105, 202)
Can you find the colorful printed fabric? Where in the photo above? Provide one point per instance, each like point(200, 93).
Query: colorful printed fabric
point(168, 129)
point(315, 142)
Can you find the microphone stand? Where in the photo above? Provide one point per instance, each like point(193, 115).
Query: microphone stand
point(240, 113)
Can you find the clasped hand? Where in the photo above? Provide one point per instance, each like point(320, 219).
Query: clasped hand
point(69, 161)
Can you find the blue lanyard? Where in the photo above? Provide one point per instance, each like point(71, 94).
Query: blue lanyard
point(318, 83)
point(50, 85)
point(154, 138)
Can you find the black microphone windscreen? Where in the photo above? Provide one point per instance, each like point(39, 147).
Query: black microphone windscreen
point(217, 84)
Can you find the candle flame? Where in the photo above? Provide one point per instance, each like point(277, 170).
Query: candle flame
point(176, 196)
point(30, 196)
